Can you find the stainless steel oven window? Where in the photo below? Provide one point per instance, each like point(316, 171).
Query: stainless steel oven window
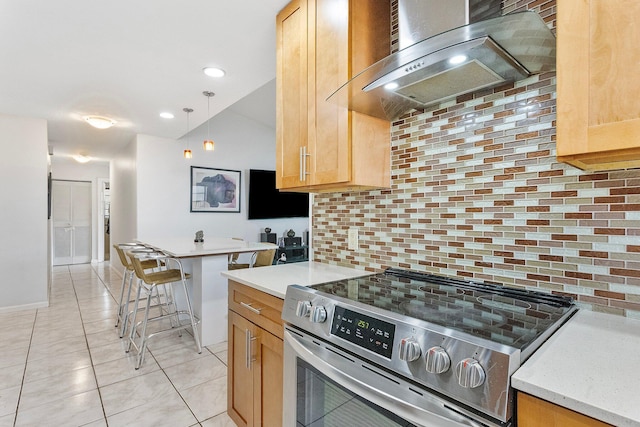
point(320, 402)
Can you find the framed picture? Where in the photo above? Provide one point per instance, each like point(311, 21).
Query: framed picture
point(215, 190)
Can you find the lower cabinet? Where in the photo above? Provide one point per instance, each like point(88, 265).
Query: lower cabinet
point(534, 412)
point(254, 395)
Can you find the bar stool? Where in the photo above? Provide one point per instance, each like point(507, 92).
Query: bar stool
point(258, 259)
point(127, 280)
point(149, 284)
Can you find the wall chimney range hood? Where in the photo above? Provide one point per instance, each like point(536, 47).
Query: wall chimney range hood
point(449, 48)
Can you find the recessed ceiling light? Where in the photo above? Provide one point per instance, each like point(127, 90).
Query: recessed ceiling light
point(458, 59)
point(213, 72)
point(99, 122)
point(391, 86)
point(166, 115)
point(81, 158)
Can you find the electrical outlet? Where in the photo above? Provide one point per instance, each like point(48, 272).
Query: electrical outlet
point(353, 239)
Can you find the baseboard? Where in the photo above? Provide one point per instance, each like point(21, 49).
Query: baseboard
point(32, 306)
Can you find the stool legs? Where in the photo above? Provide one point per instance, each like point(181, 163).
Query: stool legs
point(172, 314)
point(125, 274)
point(125, 309)
point(192, 317)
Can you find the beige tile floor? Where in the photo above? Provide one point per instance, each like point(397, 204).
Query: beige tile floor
point(65, 365)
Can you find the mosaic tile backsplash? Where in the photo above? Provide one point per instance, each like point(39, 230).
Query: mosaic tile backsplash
point(477, 192)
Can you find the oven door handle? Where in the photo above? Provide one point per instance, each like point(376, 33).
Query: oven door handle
point(432, 410)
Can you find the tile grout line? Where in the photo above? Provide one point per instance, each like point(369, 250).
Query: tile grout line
point(24, 372)
point(84, 331)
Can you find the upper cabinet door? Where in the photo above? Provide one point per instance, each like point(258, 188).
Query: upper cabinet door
point(598, 69)
point(330, 159)
point(291, 95)
point(322, 146)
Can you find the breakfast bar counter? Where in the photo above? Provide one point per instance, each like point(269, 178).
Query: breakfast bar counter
point(205, 261)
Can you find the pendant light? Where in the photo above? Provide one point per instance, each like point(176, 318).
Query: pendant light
point(209, 145)
point(187, 152)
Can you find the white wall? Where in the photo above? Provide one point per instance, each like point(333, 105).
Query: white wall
point(23, 217)
point(162, 182)
point(123, 184)
point(65, 168)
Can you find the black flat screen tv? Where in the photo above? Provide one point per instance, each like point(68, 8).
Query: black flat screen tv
point(267, 202)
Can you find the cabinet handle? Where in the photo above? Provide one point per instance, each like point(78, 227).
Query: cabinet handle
point(248, 339)
point(303, 164)
point(248, 305)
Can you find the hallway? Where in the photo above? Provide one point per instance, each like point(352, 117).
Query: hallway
point(65, 365)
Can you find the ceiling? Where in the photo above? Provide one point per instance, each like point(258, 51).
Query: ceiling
point(130, 60)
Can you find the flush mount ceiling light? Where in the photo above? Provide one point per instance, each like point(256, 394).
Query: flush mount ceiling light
point(166, 115)
point(209, 145)
point(213, 72)
point(81, 158)
point(187, 152)
point(99, 122)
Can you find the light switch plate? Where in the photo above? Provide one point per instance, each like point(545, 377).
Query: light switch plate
point(353, 239)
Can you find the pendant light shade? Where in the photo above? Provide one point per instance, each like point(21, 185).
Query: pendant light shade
point(187, 152)
point(208, 144)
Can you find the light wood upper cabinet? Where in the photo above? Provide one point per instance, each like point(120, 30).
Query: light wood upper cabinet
point(598, 64)
point(291, 92)
point(322, 146)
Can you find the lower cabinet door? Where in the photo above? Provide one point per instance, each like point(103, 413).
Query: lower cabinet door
point(254, 395)
point(534, 412)
point(268, 380)
point(240, 405)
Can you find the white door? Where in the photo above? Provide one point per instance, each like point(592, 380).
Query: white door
point(71, 216)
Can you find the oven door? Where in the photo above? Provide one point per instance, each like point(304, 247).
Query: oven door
point(325, 386)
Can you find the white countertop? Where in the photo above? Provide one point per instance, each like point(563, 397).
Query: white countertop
point(591, 365)
point(186, 247)
point(274, 279)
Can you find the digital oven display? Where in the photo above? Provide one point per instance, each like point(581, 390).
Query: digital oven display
point(364, 331)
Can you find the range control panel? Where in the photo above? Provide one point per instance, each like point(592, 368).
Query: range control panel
point(373, 334)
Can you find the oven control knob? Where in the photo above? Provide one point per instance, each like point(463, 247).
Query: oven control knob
point(409, 349)
point(470, 373)
point(318, 314)
point(438, 361)
point(303, 308)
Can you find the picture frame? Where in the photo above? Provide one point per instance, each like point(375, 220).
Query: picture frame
point(215, 190)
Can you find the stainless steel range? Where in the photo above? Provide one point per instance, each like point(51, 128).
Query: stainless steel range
point(406, 348)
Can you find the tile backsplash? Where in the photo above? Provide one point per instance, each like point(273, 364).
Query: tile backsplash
point(477, 192)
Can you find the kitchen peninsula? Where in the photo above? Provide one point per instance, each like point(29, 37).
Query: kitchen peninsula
point(205, 261)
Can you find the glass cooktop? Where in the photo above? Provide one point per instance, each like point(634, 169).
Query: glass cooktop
point(509, 316)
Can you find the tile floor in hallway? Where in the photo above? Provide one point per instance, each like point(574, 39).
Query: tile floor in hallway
point(65, 365)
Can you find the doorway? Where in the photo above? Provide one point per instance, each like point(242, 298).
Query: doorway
point(71, 218)
point(106, 224)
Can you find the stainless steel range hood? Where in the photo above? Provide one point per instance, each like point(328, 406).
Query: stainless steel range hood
point(455, 62)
